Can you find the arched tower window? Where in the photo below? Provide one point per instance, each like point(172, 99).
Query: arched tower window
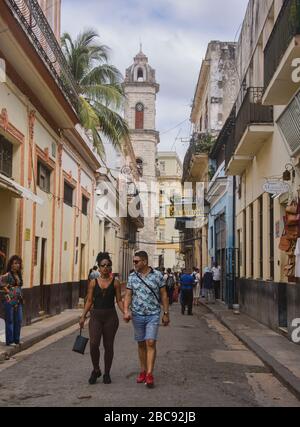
point(139, 116)
point(140, 75)
point(140, 166)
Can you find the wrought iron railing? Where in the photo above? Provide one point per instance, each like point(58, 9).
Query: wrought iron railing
point(230, 145)
point(251, 112)
point(31, 18)
point(286, 27)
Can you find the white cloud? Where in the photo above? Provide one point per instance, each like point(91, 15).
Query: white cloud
point(174, 34)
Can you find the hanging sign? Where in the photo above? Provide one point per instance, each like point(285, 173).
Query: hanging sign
point(276, 187)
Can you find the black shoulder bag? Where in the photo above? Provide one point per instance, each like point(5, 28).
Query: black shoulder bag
point(80, 343)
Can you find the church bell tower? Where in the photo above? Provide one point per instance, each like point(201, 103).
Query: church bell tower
point(140, 113)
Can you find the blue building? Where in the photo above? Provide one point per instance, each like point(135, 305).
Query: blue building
point(221, 219)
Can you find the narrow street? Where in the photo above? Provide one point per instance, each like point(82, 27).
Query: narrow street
point(200, 363)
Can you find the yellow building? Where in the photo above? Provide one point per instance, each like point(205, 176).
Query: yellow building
point(47, 166)
point(170, 171)
point(262, 143)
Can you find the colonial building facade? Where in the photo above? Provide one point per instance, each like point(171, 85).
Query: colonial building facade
point(261, 139)
point(49, 171)
point(208, 239)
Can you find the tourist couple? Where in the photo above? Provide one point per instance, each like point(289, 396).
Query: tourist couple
point(144, 295)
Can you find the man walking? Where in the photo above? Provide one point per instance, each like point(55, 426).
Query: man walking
point(145, 289)
point(187, 283)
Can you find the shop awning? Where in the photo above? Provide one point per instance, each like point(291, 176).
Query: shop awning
point(18, 191)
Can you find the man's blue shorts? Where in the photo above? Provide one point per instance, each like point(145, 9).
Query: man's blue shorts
point(146, 327)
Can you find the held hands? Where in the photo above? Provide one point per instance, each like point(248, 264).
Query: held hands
point(127, 317)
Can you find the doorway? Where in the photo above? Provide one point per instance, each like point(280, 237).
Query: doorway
point(83, 274)
point(43, 303)
point(4, 248)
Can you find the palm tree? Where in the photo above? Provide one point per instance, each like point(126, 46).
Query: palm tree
point(100, 89)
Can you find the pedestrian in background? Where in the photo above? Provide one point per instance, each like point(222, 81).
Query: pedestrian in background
point(176, 290)
point(102, 293)
point(208, 285)
point(187, 283)
point(145, 290)
point(216, 270)
point(197, 287)
point(169, 279)
point(11, 286)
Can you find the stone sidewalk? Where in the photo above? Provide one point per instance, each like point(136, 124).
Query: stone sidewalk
point(277, 352)
point(39, 331)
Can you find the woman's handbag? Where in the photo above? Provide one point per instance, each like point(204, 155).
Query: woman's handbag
point(289, 269)
point(80, 343)
point(285, 243)
point(292, 219)
point(291, 232)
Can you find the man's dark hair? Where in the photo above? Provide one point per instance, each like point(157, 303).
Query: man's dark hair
point(143, 255)
point(169, 271)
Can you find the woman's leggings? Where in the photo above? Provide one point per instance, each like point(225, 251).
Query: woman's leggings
point(106, 323)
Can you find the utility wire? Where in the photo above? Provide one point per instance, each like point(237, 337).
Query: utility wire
point(175, 127)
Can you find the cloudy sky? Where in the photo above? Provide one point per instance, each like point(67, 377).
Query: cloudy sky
point(174, 35)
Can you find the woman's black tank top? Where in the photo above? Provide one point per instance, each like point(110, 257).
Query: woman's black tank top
point(104, 299)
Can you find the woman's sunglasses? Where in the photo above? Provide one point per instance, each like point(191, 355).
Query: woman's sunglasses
point(105, 265)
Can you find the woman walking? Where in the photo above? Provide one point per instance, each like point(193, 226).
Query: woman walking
point(102, 293)
point(11, 289)
point(197, 287)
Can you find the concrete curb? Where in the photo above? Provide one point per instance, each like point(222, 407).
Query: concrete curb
point(291, 381)
point(37, 337)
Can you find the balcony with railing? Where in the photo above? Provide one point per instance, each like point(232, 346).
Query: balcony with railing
point(30, 17)
point(254, 125)
point(280, 52)
point(289, 124)
point(195, 164)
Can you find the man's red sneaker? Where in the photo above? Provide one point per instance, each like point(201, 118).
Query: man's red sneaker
point(149, 381)
point(141, 378)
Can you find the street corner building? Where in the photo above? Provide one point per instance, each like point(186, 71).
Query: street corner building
point(49, 171)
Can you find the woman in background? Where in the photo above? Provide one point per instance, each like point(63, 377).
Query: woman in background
point(11, 289)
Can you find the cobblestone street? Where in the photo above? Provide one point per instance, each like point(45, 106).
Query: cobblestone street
point(200, 363)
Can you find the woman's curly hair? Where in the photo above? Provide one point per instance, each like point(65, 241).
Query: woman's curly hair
point(103, 256)
point(10, 263)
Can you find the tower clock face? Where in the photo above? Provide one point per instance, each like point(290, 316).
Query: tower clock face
point(139, 107)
